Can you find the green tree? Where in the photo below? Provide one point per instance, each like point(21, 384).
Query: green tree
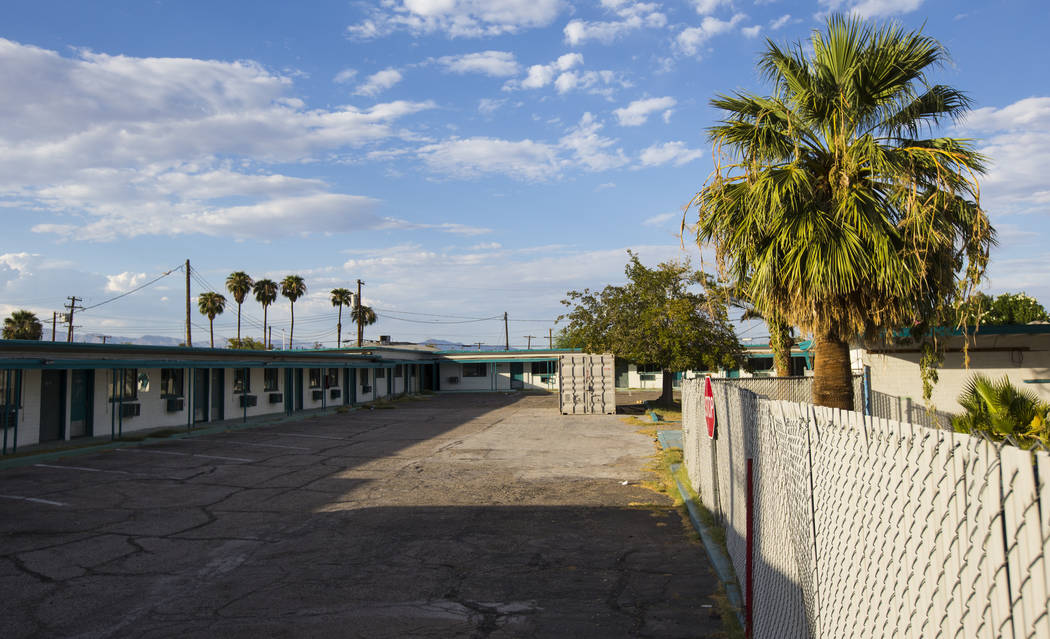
point(998, 409)
point(293, 287)
point(22, 324)
point(247, 343)
point(239, 284)
point(654, 319)
point(362, 316)
point(265, 292)
point(211, 304)
point(1008, 308)
point(828, 206)
point(341, 297)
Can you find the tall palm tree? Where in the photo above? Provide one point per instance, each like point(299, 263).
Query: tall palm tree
point(293, 287)
point(211, 304)
point(239, 284)
point(265, 292)
point(341, 297)
point(830, 208)
point(22, 324)
point(363, 316)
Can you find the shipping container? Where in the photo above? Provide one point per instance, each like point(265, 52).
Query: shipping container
point(588, 384)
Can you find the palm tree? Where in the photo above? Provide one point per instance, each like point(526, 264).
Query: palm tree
point(293, 287)
point(265, 292)
point(830, 209)
point(999, 409)
point(22, 324)
point(362, 316)
point(211, 304)
point(239, 284)
point(341, 297)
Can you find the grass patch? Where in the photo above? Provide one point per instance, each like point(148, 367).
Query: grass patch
point(383, 404)
point(156, 434)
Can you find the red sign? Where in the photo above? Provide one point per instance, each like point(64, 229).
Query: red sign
point(709, 407)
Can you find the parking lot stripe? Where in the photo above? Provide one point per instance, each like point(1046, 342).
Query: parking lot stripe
point(90, 470)
point(171, 452)
point(342, 439)
point(261, 445)
point(34, 500)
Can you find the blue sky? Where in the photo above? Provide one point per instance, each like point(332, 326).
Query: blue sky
point(462, 157)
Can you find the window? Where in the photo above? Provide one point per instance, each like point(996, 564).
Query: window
point(362, 375)
point(331, 380)
point(315, 377)
point(380, 373)
point(9, 389)
point(475, 370)
point(130, 389)
point(542, 368)
point(270, 377)
point(399, 371)
point(242, 380)
point(649, 368)
point(171, 382)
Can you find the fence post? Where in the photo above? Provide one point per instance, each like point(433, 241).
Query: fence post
point(866, 386)
point(749, 550)
point(907, 405)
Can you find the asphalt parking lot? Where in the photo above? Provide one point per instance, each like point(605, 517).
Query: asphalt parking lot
point(459, 516)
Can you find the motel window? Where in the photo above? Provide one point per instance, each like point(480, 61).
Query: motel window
point(542, 368)
point(399, 371)
point(9, 389)
point(380, 373)
point(171, 382)
point(242, 380)
point(331, 380)
point(315, 377)
point(127, 392)
point(270, 377)
point(475, 370)
point(649, 368)
point(362, 375)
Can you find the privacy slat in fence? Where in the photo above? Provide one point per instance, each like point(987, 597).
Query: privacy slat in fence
point(866, 527)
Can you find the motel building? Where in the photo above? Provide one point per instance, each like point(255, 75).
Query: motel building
point(54, 392)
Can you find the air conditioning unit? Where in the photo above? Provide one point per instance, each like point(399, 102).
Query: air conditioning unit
point(335, 393)
point(11, 418)
point(130, 410)
point(174, 405)
point(453, 380)
point(317, 395)
point(276, 398)
point(366, 389)
point(384, 339)
point(248, 401)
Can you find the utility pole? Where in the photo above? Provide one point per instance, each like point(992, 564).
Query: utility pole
point(357, 305)
point(550, 338)
point(104, 338)
point(54, 326)
point(530, 338)
point(189, 334)
point(506, 333)
point(479, 346)
point(72, 306)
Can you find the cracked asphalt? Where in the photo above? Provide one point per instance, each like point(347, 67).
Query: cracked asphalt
point(460, 516)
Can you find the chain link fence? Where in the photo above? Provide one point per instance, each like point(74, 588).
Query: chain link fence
point(791, 389)
point(867, 527)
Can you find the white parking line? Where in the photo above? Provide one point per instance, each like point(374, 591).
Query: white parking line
point(263, 445)
point(171, 452)
point(90, 470)
point(34, 500)
point(342, 439)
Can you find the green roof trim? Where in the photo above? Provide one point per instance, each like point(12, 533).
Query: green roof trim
point(515, 351)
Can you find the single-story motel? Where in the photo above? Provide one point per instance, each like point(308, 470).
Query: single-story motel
point(54, 392)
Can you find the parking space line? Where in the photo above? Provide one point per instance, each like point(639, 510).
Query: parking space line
point(261, 445)
point(34, 500)
point(171, 452)
point(342, 439)
point(85, 468)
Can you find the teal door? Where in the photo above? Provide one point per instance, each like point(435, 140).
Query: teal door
point(289, 384)
point(218, 394)
point(81, 403)
point(517, 375)
point(200, 394)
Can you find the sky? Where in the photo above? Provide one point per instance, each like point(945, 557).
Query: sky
point(463, 158)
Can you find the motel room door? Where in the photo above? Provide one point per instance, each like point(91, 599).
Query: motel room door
point(218, 394)
point(52, 405)
point(517, 375)
point(81, 403)
point(200, 394)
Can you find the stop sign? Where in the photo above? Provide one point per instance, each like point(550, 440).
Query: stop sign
point(709, 407)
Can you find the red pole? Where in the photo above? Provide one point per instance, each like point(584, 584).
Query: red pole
point(749, 551)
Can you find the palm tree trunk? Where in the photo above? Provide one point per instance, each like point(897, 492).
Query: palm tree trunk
point(339, 328)
point(291, 330)
point(211, 330)
point(266, 340)
point(833, 375)
point(238, 323)
point(780, 343)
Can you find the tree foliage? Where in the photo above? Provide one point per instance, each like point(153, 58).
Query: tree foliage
point(265, 292)
point(22, 324)
point(1008, 308)
point(830, 208)
point(656, 318)
point(239, 284)
point(246, 343)
point(998, 409)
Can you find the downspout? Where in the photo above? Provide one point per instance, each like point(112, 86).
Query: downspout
point(7, 404)
point(18, 400)
point(189, 400)
point(244, 395)
point(120, 415)
point(113, 406)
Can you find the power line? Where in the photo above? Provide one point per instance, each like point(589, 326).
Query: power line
point(134, 290)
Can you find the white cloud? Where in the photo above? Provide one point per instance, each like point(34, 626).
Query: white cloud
point(379, 82)
point(780, 22)
point(707, 7)
point(345, 76)
point(524, 160)
point(456, 18)
point(494, 63)
point(872, 8)
point(124, 282)
point(632, 16)
point(637, 112)
point(658, 220)
point(590, 149)
point(564, 76)
point(488, 106)
point(540, 75)
point(689, 41)
point(752, 31)
point(674, 152)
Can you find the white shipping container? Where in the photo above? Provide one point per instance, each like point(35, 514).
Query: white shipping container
point(588, 384)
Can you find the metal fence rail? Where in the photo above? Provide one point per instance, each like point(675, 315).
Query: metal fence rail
point(791, 389)
point(867, 527)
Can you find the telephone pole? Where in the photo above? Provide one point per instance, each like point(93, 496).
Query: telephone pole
point(54, 326)
point(72, 306)
point(530, 338)
point(189, 334)
point(550, 338)
point(104, 338)
point(506, 333)
point(357, 305)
